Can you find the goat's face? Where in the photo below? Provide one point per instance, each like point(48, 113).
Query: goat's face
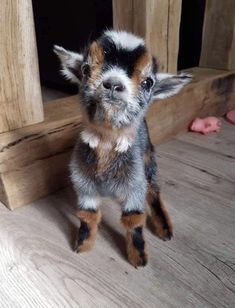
point(118, 78)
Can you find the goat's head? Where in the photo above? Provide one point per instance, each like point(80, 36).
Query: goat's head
point(118, 78)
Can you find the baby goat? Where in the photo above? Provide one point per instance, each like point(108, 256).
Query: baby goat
point(118, 79)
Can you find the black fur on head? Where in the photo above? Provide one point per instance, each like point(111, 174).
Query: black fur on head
point(118, 78)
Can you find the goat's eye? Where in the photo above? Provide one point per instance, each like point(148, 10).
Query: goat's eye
point(85, 69)
point(147, 83)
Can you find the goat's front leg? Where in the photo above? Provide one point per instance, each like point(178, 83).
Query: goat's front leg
point(133, 218)
point(90, 216)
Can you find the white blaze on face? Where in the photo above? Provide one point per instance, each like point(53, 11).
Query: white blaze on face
point(125, 98)
point(120, 75)
point(125, 40)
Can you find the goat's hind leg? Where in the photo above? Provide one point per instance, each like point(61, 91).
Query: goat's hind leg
point(160, 218)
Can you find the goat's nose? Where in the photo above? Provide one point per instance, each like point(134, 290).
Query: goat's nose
point(113, 85)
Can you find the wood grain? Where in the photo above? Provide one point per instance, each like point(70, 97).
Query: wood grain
point(20, 92)
point(195, 269)
point(123, 15)
point(34, 159)
point(218, 39)
point(162, 32)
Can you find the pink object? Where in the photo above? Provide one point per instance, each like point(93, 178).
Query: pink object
point(206, 125)
point(231, 116)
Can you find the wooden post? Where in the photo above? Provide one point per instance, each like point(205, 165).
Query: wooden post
point(20, 92)
point(218, 40)
point(123, 15)
point(158, 21)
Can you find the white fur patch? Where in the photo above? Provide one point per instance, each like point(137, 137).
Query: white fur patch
point(122, 144)
point(90, 139)
point(89, 202)
point(125, 40)
point(120, 75)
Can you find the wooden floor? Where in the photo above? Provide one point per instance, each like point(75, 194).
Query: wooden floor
point(195, 269)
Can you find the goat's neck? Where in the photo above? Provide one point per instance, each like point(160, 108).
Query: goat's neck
point(119, 139)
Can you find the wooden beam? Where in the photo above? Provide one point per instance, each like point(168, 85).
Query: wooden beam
point(123, 15)
point(159, 24)
point(34, 159)
point(218, 40)
point(20, 92)
point(158, 21)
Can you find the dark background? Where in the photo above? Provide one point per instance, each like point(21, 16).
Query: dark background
point(72, 24)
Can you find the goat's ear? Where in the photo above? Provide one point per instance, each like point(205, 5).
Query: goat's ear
point(168, 84)
point(70, 63)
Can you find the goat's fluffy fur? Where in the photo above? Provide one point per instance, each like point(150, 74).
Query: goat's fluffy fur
point(113, 156)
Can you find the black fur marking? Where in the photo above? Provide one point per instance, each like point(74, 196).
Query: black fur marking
point(116, 56)
point(91, 109)
point(155, 65)
point(87, 158)
point(83, 234)
point(151, 166)
point(156, 205)
point(139, 243)
point(162, 87)
point(128, 213)
point(150, 171)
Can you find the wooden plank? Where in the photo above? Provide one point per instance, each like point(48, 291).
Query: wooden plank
point(222, 142)
point(123, 15)
point(20, 92)
point(56, 134)
point(31, 157)
point(195, 269)
point(218, 40)
point(34, 159)
point(203, 172)
point(36, 180)
point(161, 30)
point(157, 21)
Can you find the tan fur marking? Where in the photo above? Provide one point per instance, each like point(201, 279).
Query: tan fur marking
point(141, 69)
point(92, 219)
point(96, 59)
point(105, 158)
point(157, 220)
point(133, 221)
point(105, 151)
point(96, 53)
